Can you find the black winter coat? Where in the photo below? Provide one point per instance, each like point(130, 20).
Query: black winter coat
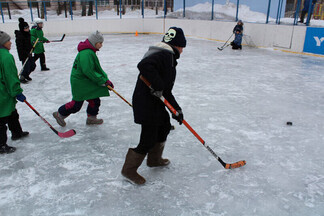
point(158, 66)
point(23, 44)
point(238, 28)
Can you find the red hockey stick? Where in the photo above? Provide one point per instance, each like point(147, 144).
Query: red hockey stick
point(62, 135)
point(167, 104)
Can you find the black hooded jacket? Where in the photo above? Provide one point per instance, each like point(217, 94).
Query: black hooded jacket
point(23, 44)
point(158, 66)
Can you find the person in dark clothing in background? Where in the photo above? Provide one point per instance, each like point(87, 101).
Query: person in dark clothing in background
point(307, 3)
point(24, 47)
point(158, 66)
point(238, 31)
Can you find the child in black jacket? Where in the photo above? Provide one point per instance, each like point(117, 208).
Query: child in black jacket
point(238, 31)
point(24, 47)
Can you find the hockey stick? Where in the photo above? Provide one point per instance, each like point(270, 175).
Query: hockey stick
point(30, 53)
point(62, 135)
point(223, 47)
point(167, 104)
point(59, 40)
point(110, 88)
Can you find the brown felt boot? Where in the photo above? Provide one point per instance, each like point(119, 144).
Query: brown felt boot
point(154, 156)
point(132, 162)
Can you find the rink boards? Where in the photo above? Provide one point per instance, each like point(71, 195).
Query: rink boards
point(286, 37)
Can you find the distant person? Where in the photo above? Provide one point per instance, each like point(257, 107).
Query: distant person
point(238, 31)
point(39, 51)
point(88, 82)
point(158, 66)
point(9, 91)
point(24, 47)
point(307, 3)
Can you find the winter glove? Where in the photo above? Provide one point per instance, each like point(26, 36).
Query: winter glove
point(156, 93)
point(109, 83)
point(179, 118)
point(21, 97)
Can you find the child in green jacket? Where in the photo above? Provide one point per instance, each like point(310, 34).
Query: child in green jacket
point(39, 51)
point(88, 82)
point(9, 91)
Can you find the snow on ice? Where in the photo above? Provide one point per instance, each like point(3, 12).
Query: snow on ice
point(238, 101)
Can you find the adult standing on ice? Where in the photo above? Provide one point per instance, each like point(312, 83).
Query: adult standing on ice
point(158, 66)
point(9, 91)
point(238, 31)
point(88, 82)
point(39, 51)
point(24, 47)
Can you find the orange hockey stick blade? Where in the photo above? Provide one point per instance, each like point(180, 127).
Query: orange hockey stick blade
point(235, 165)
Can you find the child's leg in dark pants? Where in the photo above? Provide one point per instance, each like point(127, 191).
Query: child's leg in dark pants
point(65, 110)
point(150, 136)
point(4, 148)
point(92, 111)
point(71, 107)
point(15, 127)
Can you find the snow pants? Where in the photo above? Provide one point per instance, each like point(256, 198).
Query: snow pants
point(14, 126)
point(152, 134)
point(75, 106)
point(41, 57)
point(29, 67)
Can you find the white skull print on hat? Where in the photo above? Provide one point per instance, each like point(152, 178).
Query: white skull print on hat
point(170, 35)
point(175, 37)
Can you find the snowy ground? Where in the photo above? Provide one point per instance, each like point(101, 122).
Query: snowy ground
point(238, 101)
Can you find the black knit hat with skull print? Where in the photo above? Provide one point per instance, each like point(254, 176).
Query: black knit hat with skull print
point(175, 37)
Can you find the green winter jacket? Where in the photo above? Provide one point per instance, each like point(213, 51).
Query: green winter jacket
point(9, 83)
point(38, 33)
point(87, 77)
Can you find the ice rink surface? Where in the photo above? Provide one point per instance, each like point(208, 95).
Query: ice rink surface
point(238, 101)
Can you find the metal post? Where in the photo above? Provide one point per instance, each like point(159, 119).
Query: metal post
point(142, 9)
point(31, 11)
point(277, 19)
point(268, 13)
point(212, 15)
point(237, 9)
point(65, 11)
point(71, 11)
point(184, 8)
point(309, 13)
point(165, 9)
point(45, 15)
point(120, 9)
point(280, 11)
point(1, 12)
point(9, 10)
point(96, 4)
point(297, 12)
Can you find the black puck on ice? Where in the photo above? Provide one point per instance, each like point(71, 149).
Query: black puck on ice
point(289, 123)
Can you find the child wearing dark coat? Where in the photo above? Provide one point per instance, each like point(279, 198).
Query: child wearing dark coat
point(24, 47)
point(9, 91)
point(158, 66)
point(238, 31)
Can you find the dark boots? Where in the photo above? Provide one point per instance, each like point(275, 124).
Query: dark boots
point(132, 162)
point(16, 136)
point(44, 68)
point(5, 149)
point(154, 156)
